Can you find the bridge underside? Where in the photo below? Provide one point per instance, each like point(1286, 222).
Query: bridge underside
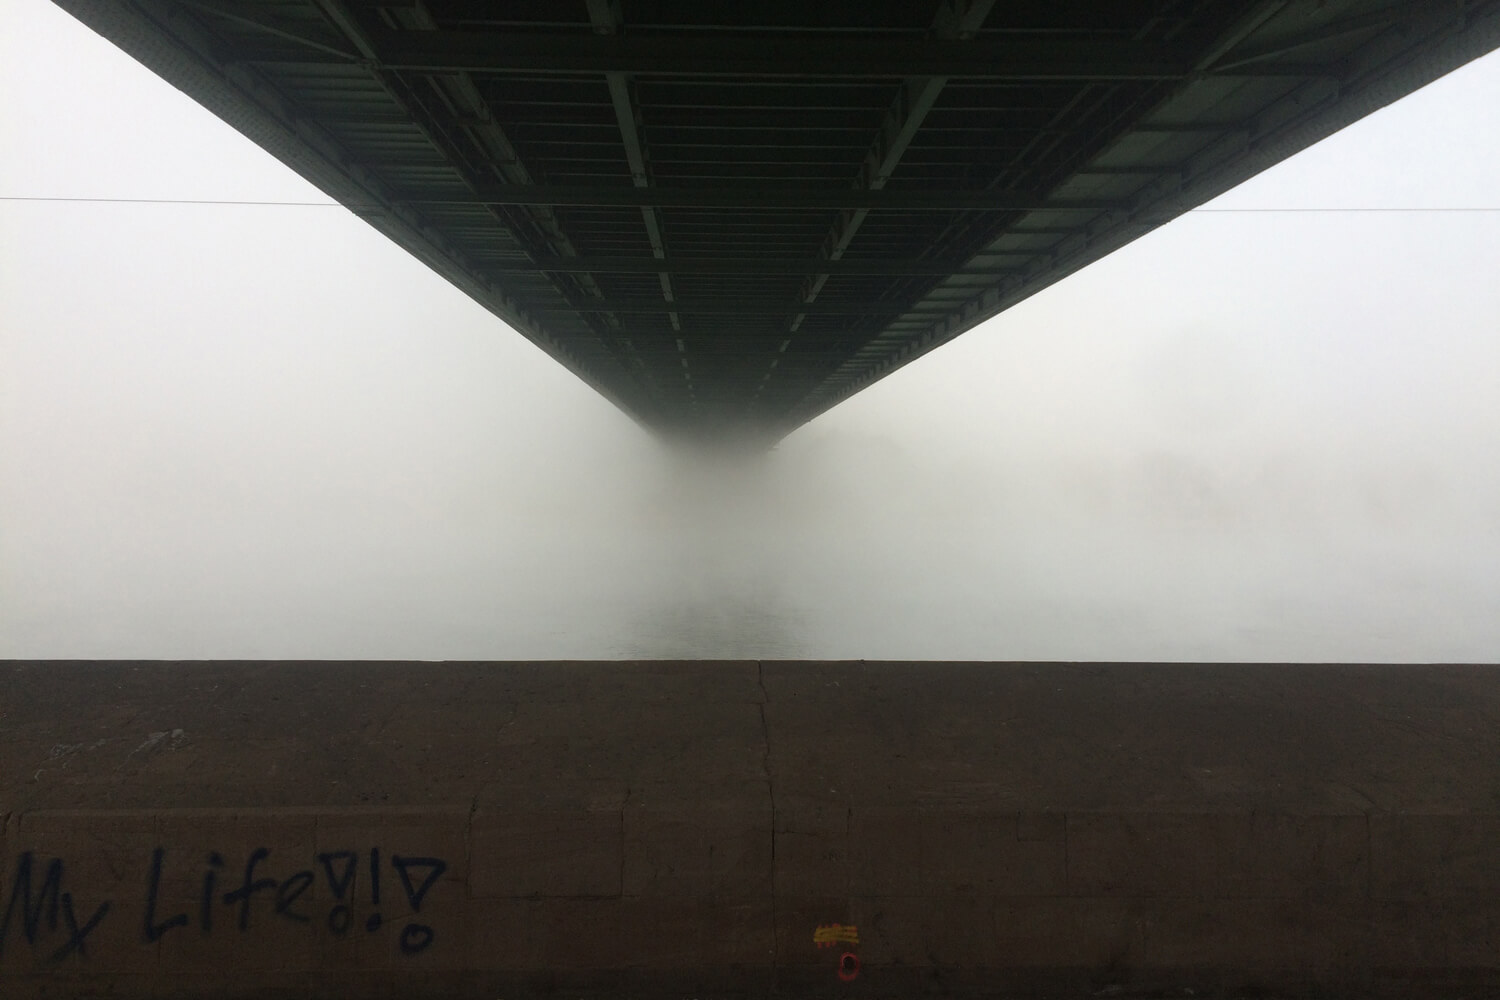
point(733, 216)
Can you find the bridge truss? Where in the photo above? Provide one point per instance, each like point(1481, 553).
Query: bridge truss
point(728, 217)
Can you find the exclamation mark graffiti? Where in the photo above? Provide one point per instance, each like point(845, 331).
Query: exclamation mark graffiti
point(372, 923)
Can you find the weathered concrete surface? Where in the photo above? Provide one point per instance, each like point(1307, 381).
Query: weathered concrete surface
point(685, 829)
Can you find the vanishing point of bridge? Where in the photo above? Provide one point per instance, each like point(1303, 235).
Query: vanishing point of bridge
point(731, 216)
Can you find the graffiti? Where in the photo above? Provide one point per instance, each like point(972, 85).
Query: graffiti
point(39, 913)
point(40, 910)
point(827, 935)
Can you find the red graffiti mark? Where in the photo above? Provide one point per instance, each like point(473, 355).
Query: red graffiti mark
point(848, 966)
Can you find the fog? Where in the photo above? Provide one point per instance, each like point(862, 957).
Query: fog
point(265, 432)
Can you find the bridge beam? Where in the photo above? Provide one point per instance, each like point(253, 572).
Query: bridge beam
point(834, 57)
point(914, 266)
point(758, 197)
point(605, 18)
point(956, 20)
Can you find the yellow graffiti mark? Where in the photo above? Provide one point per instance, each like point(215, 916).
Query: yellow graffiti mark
point(831, 934)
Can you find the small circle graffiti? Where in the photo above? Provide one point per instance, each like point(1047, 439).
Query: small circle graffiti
point(338, 919)
point(415, 937)
point(848, 966)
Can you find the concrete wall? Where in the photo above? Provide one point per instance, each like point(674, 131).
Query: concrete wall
point(737, 828)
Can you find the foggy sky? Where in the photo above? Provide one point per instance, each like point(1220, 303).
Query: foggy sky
point(265, 432)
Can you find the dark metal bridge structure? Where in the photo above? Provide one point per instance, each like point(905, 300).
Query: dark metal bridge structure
point(728, 217)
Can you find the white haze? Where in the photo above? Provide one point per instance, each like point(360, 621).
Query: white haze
point(266, 432)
